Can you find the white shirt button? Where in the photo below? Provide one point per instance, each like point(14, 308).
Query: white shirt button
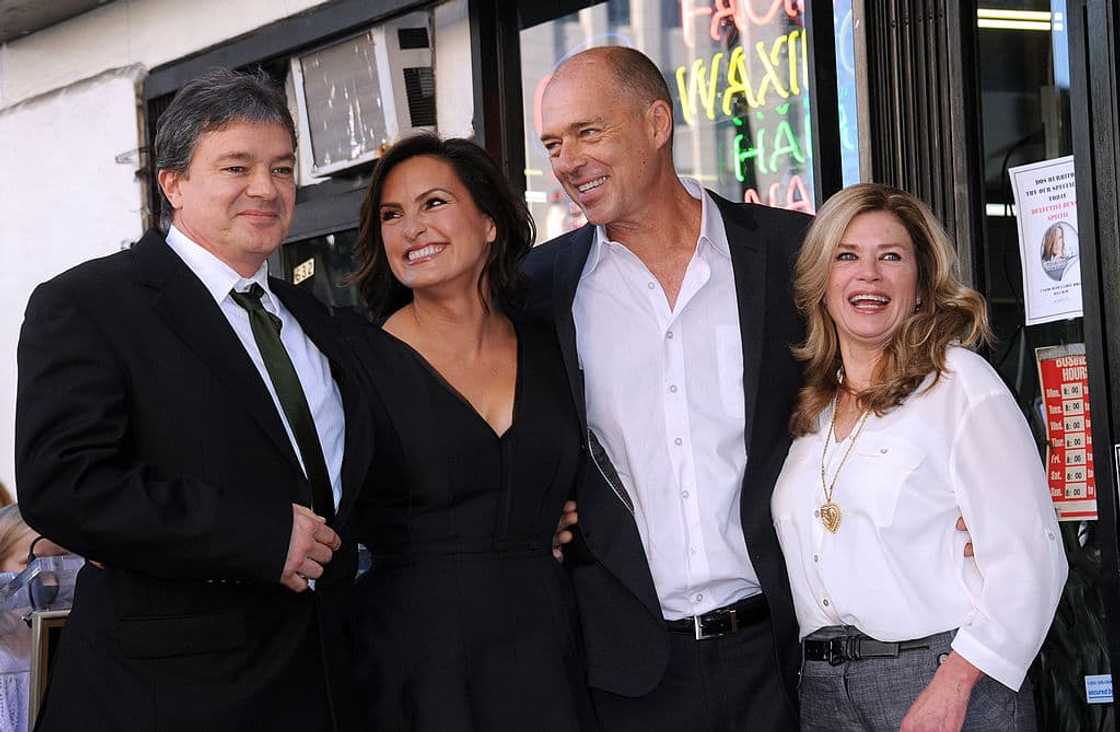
point(699, 597)
point(672, 388)
point(650, 285)
point(669, 335)
point(678, 441)
point(684, 494)
point(816, 557)
point(825, 602)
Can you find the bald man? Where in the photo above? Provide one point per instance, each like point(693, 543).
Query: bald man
point(675, 317)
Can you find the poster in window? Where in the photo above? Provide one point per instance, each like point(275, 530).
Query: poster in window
point(1063, 376)
point(1046, 210)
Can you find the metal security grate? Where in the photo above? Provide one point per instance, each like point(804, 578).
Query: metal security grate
point(420, 86)
point(413, 38)
point(923, 99)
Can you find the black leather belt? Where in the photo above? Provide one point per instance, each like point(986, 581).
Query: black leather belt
point(856, 647)
point(723, 621)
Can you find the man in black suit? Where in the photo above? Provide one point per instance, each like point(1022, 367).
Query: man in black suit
point(674, 311)
point(180, 422)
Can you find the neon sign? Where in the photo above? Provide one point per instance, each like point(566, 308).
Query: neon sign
point(741, 13)
point(742, 93)
point(704, 82)
point(796, 196)
point(785, 145)
point(758, 82)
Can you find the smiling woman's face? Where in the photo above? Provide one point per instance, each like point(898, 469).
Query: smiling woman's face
point(434, 234)
point(872, 281)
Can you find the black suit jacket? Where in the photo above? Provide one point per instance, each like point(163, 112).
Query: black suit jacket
point(146, 440)
point(625, 637)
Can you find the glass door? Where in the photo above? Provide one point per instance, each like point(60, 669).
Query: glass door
point(1032, 277)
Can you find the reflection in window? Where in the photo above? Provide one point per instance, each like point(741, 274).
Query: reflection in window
point(846, 89)
point(321, 265)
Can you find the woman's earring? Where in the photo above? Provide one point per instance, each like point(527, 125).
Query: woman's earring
point(918, 304)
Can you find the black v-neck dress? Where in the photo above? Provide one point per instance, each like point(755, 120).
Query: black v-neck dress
point(466, 622)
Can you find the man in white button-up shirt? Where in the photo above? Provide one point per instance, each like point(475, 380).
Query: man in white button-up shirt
point(674, 316)
point(179, 416)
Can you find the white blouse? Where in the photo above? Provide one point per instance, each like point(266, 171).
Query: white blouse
point(896, 569)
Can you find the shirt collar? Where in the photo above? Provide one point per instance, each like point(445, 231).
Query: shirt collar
point(217, 277)
point(712, 231)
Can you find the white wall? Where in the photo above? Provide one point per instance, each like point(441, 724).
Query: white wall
point(126, 32)
point(63, 199)
point(452, 65)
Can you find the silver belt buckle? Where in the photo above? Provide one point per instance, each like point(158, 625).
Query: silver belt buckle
point(698, 626)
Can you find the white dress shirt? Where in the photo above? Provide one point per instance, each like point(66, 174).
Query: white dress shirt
point(896, 569)
point(665, 398)
point(312, 367)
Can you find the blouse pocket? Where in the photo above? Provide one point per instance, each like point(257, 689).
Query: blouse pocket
point(888, 463)
point(729, 360)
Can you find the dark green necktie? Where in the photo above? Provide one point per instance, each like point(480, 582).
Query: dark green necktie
point(266, 332)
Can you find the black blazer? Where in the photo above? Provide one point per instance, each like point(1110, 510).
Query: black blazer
point(626, 641)
point(147, 441)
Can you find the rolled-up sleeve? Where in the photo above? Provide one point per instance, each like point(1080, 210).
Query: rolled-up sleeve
point(1002, 491)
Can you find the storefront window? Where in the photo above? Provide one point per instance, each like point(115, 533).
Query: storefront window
point(323, 264)
point(1032, 282)
point(846, 87)
point(739, 75)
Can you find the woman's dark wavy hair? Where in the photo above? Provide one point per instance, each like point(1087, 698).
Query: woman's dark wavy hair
point(501, 281)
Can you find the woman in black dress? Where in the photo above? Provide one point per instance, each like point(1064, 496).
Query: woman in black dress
point(465, 621)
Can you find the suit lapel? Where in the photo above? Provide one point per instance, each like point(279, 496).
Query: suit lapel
point(569, 266)
point(748, 262)
point(190, 312)
point(611, 530)
point(325, 333)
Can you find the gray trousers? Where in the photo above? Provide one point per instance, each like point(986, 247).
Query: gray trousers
point(875, 693)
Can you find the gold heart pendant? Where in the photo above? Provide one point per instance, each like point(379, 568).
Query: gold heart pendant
point(830, 516)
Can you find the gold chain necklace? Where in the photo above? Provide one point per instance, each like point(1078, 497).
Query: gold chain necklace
point(829, 512)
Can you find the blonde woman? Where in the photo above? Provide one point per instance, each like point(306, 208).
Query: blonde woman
point(899, 430)
point(16, 538)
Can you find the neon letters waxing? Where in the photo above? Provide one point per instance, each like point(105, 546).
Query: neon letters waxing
point(714, 81)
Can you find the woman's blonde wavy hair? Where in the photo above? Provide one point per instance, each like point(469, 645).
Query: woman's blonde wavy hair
point(949, 310)
point(12, 529)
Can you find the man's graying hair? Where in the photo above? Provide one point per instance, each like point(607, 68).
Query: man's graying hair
point(638, 75)
point(214, 100)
